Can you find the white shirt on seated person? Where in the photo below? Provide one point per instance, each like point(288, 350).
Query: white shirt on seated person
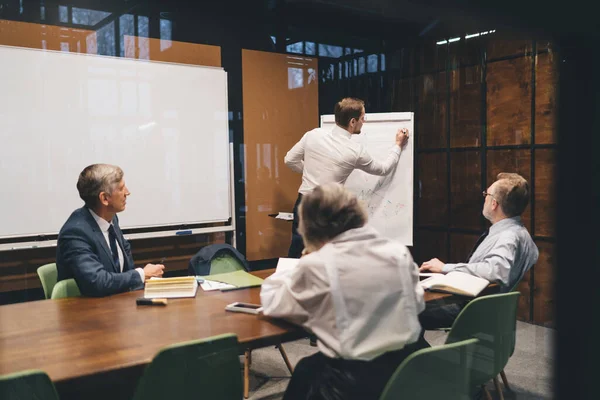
point(359, 294)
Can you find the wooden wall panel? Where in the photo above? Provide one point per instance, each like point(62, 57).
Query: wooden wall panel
point(524, 305)
point(431, 244)
point(18, 268)
point(545, 192)
point(543, 297)
point(509, 102)
point(465, 189)
point(280, 97)
point(545, 98)
point(433, 190)
point(470, 51)
point(432, 57)
point(465, 107)
point(514, 160)
point(401, 94)
point(431, 115)
point(460, 247)
point(499, 47)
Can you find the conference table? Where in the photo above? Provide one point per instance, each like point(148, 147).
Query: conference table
point(98, 347)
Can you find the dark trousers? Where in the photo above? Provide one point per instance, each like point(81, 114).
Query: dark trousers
point(319, 377)
point(439, 315)
point(297, 244)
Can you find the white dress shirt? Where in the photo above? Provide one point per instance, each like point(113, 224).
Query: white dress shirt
point(360, 294)
point(104, 225)
point(329, 155)
point(504, 256)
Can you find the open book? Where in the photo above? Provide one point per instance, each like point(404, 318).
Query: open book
point(180, 286)
point(456, 283)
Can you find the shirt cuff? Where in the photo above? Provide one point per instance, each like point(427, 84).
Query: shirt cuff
point(448, 267)
point(142, 275)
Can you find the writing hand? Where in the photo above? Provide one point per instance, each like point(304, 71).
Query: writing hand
point(402, 137)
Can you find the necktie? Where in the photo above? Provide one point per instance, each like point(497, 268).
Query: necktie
point(481, 238)
point(112, 240)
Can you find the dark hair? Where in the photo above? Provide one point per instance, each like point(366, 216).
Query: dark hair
point(512, 193)
point(346, 109)
point(97, 178)
point(328, 211)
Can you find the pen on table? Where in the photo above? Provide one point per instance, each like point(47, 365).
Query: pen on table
point(239, 288)
point(142, 301)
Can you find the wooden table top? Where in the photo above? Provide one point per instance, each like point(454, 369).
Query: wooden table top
point(78, 337)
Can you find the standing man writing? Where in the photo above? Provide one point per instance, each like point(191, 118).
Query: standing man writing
point(329, 155)
point(91, 247)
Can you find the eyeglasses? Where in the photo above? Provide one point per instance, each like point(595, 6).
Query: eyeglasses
point(484, 193)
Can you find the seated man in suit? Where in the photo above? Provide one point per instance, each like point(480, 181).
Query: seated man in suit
point(503, 254)
point(91, 247)
point(356, 290)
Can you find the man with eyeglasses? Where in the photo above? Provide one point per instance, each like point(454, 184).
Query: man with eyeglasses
point(503, 254)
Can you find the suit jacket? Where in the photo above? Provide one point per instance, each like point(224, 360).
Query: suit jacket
point(83, 253)
point(200, 262)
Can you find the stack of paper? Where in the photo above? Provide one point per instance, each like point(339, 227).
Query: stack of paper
point(286, 264)
point(236, 279)
point(285, 215)
point(182, 286)
point(209, 285)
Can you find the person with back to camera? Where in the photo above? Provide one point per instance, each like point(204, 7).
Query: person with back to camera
point(356, 290)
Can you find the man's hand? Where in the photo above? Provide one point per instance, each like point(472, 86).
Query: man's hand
point(433, 265)
point(153, 270)
point(402, 137)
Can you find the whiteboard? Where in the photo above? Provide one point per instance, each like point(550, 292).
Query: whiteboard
point(389, 199)
point(165, 125)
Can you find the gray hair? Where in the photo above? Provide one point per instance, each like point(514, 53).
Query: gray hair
point(97, 178)
point(512, 193)
point(328, 211)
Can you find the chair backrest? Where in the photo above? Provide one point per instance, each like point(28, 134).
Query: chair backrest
point(65, 288)
point(48, 275)
point(492, 320)
point(225, 263)
point(30, 384)
point(440, 372)
point(199, 369)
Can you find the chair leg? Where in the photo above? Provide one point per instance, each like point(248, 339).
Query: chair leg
point(504, 380)
point(285, 358)
point(498, 388)
point(247, 374)
point(488, 396)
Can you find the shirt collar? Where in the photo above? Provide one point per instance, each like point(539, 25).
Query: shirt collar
point(341, 131)
point(505, 223)
point(102, 223)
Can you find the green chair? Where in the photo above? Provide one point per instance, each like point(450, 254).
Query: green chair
point(65, 288)
point(228, 263)
point(492, 320)
point(48, 275)
point(199, 369)
point(29, 384)
point(440, 372)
